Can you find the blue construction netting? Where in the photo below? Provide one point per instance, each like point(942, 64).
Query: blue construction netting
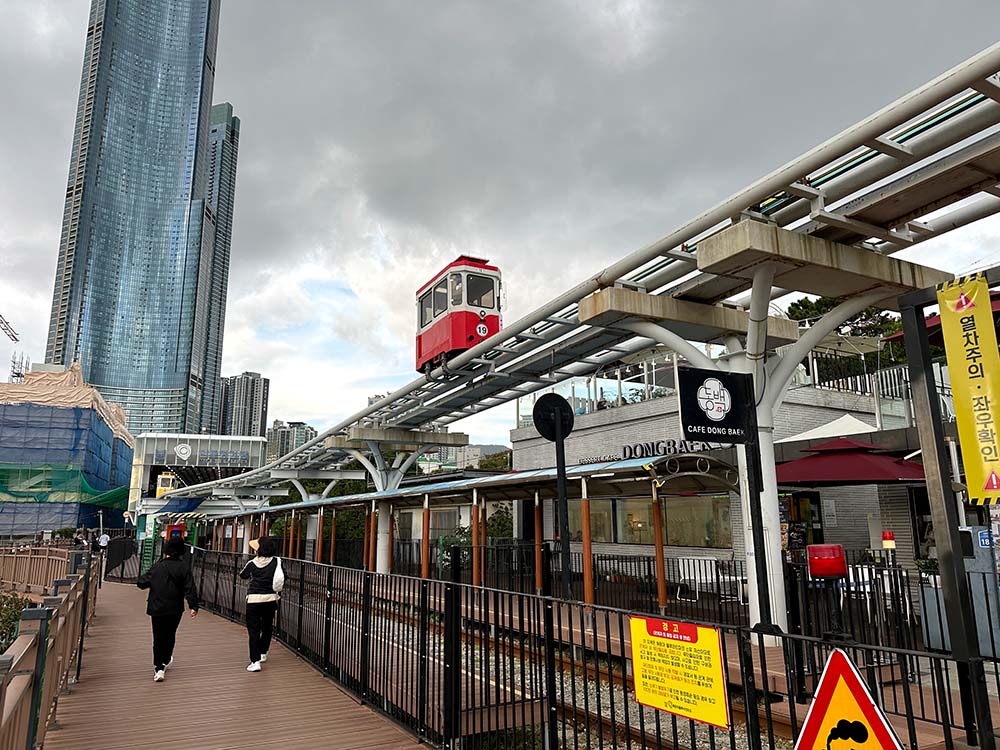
point(19, 519)
point(121, 469)
point(71, 437)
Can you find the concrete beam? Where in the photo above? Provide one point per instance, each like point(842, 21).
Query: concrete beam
point(339, 442)
point(692, 321)
point(398, 439)
point(249, 491)
point(418, 437)
point(810, 264)
point(328, 475)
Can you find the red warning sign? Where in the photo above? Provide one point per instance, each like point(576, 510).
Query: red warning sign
point(992, 482)
point(843, 714)
point(964, 303)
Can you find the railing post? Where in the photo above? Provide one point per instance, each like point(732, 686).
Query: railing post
point(6, 664)
point(40, 617)
point(236, 575)
point(749, 689)
point(453, 653)
point(366, 628)
point(328, 620)
point(218, 565)
point(422, 656)
point(548, 629)
point(201, 565)
point(302, 591)
point(83, 623)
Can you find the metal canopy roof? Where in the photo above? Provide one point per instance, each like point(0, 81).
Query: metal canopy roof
point(684, 474)
point(871, 184)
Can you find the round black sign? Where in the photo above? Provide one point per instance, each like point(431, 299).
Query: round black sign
point(552, 409)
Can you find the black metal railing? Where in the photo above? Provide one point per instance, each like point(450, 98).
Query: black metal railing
point(507, 669)
point(877, 603)
point(122, 560)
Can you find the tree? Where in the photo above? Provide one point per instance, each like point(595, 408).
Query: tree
point(871, 322)
point(497, 461)
point(500, 525)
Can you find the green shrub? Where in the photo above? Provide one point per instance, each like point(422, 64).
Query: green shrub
point(11, 606)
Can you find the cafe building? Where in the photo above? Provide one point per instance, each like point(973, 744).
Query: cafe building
point(697, 525)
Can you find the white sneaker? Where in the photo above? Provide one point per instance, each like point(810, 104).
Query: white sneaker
point(263, 658)
point(158, 675)
point(169, 663)
point(255, 667)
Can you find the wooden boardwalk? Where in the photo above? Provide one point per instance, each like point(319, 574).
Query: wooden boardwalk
point(208, 701)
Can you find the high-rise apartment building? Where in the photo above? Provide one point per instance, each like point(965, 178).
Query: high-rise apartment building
point(133, 289)
point(223, 148)
point(282, 438)
point(244, 404)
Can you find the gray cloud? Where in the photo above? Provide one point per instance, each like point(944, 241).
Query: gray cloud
point(380, 138)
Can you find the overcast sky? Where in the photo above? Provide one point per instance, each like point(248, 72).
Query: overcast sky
point(381, 139)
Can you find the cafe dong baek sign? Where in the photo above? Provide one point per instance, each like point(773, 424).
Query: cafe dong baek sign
point(715, 405)
point(653, 448)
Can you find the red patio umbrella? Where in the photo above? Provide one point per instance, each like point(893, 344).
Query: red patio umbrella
point(844, 462)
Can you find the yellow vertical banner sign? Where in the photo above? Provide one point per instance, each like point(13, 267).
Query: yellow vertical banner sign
point(970, 343)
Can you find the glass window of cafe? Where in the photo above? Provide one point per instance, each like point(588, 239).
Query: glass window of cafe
point(700, 521)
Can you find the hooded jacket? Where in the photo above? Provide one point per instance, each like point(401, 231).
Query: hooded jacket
point(169, 582)
point(267, 579)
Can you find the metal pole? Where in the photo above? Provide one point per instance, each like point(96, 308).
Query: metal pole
point(567, 580)
point(551, 736)
point(539, 532)
point(755, 483)
point(588, 556)
point(661, 563)
point(944, 513)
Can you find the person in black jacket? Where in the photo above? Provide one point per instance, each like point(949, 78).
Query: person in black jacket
point(263, 593)
point(169, 582)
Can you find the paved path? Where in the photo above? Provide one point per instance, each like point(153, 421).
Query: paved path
point(208, 701)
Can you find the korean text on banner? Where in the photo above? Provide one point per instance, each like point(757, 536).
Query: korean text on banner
point(677, 667)
point(970, 343)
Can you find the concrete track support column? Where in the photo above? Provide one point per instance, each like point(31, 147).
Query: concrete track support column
point(333, 536)
point(425, 540)
point(475, 538)
point(365, 556)
point(318, 551)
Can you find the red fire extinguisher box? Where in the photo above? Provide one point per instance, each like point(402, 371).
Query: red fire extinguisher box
point(827, 561)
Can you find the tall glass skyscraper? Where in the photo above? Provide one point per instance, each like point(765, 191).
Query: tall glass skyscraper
point(223, 148)
point(134, 281)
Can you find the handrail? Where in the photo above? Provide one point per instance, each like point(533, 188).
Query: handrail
point(33, 569)
point(45, 656)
